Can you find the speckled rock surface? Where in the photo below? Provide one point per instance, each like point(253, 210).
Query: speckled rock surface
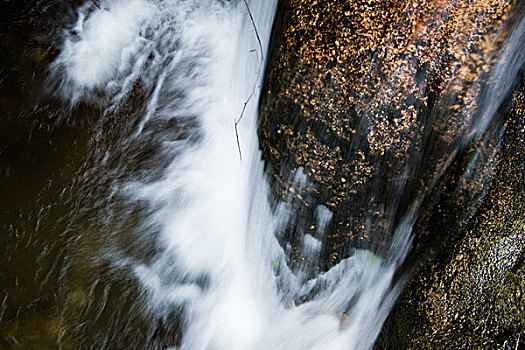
point(472, 295)
point(379, 104)
point(372, 99)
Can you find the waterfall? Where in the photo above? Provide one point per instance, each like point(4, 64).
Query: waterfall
point(218, 261)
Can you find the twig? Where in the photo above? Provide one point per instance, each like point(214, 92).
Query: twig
point(97, 5)
point(255, 84)
point(254, 26)
point(238, 144)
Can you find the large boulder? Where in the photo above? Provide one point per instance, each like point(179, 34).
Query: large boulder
point(380, 110)
point(472, 295)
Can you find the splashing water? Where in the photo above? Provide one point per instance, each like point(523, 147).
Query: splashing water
point(220, 262)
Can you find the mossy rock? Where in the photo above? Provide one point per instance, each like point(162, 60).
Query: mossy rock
point(372, 101)
point(472, 294)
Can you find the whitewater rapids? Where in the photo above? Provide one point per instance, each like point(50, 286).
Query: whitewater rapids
point(219, 262)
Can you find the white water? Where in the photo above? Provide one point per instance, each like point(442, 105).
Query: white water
point(220, 261)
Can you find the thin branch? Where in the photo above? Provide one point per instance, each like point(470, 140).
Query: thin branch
point(238, 144)
point(257, 79)
point(96, 4)
point(254, 26)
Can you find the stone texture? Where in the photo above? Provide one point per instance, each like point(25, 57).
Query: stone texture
point(472, 294)
point(372, 98)
point(378, 103)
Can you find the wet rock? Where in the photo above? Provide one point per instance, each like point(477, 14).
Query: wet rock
point(30, 331)
point(471, 295)
point(372, 99)
point(379, 104)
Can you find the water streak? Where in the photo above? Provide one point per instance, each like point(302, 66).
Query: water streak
point(220, 263)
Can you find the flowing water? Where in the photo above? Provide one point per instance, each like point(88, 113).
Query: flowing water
point(218, 259)
point(185, 212)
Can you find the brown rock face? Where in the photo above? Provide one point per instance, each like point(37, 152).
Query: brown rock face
point(472, 294)
point(376, 100)
point(399, 107)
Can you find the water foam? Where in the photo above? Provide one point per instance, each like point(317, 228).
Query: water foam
point(100, 46)
point(220, 262)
